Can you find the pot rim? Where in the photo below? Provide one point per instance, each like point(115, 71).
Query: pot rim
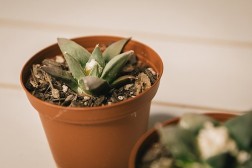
point(152, 131)
point(139, 97)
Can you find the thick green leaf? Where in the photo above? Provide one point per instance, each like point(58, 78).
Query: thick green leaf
point(77, 51)
point(97, 56)
point(223, 160)
point(74, 66)
point(114, 49)
point(93, 85)
point(62, 75)
point(180, 142)
point(239, 129)
point(115, 65)
point(247, 164)
point(194, 122)
point(122, 81)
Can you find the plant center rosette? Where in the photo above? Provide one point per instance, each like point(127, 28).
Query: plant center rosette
point(78, 78)
point(199, 141)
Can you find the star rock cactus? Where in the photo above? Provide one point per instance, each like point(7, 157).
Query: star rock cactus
point(93, 73)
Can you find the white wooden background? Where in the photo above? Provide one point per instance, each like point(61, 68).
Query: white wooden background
point(206, 47)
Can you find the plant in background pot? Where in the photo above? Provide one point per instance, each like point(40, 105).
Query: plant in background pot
point(218, 140)
point(93, 96)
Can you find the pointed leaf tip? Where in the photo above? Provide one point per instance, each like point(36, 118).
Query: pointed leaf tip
point(97, 56)
point(74, 49)
point(114, 49)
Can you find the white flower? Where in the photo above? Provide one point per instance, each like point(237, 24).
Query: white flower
point(214, 140)
point(90, 65)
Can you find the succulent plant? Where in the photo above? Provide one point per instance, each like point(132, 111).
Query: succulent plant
point(93, 73)
point(203, 142)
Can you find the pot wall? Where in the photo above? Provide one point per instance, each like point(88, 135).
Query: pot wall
point(96, 137)
point(99, 145)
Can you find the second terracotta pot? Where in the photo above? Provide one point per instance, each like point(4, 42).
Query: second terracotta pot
point(148, 139)
point(96, 137)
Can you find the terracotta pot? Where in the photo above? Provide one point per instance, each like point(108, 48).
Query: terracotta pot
point(95, 137)
point(151, 137)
